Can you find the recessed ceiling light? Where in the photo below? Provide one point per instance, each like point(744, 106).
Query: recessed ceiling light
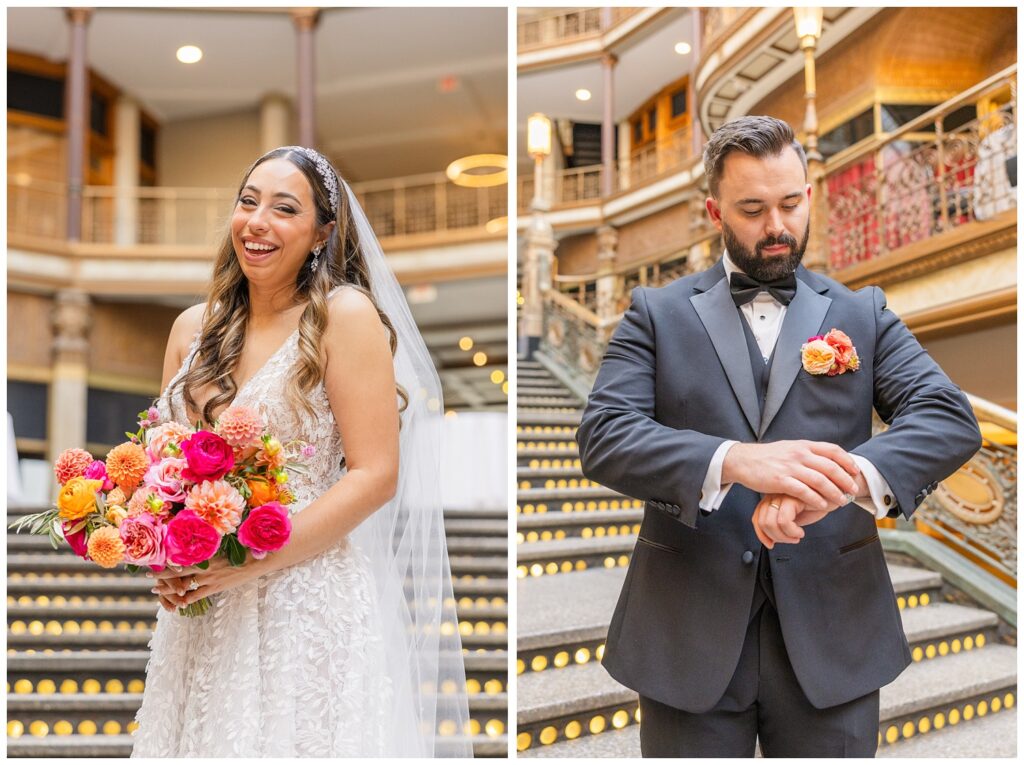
point(189, 54)
point(683, 48)
point(583, 94)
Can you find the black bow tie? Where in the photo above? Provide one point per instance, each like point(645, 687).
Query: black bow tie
point(744, 289)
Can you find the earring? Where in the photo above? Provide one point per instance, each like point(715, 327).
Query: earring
point(316, 257)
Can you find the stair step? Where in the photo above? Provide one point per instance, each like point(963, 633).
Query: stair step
point(527, 417)
point(23, 664)
point(526, 473)
point(545, 622)
point(534, 389)
point(924, 688)
point(51, 562)
point(563, 402)
point(556, 518)
point(569, 450)
point(123, 584)
point(539, 493)
point(476, 527)
point(558, 437)
point(477, 545)
point(121, 746)
point(994, 735)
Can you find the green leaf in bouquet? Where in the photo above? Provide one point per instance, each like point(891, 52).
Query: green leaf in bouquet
point(79, 526)
point(131, 568)
point(236, 551)
point(203, 566)
point(132, 436)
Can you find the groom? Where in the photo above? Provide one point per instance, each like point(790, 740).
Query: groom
point(737, 403)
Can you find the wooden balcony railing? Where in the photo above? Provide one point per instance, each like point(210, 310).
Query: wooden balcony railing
point(541, 31)
point(424, 204)
point(930, 176)
point(661, 156)
point(583, 184)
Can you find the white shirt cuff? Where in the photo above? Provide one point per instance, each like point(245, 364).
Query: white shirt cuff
point(712, 493)
point(881, 500)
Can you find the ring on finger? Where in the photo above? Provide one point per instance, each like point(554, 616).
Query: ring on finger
point(193, 585)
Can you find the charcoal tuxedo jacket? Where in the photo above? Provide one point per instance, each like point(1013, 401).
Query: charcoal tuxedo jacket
point(675, 383)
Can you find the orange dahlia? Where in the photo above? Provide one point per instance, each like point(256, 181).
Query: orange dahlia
point(70, 464)
point(126, 465)
point(218, 503)
point(106, 547)
point(240, 426)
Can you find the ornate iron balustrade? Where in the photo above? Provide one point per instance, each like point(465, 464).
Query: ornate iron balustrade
point(974, 511)
point(157, 215)
point(574, 335)
point(925, 179)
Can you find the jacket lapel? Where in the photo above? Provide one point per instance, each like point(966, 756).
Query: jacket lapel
point(721, 320)
point(803, 319)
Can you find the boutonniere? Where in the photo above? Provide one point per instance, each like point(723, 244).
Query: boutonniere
point(831, 354)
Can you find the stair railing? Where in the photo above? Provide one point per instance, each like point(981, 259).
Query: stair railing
point(974, 511)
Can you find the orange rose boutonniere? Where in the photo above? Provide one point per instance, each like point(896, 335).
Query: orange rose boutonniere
point(830, 354)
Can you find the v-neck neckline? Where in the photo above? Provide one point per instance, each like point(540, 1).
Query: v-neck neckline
point(239, 390)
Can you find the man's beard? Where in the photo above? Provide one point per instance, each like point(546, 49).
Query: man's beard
point(764, 268)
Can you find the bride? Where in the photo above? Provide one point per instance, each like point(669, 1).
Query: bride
point(345, 641)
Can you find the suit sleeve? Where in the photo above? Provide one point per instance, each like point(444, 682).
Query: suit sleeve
point(622, 445)
point(932, 428)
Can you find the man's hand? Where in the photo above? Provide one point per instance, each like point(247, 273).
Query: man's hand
point(775, 520)
point(819, 475)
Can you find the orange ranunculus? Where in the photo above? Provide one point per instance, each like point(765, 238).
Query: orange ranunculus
point(263, 491)
point(77, 498)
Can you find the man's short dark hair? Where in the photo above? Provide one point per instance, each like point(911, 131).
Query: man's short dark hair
point(757, 136)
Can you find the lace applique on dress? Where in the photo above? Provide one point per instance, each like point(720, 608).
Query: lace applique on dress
point(290, 665)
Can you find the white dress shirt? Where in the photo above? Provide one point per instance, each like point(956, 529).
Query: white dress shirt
point(764, 314)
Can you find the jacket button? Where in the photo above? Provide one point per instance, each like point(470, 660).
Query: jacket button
point(748, 557)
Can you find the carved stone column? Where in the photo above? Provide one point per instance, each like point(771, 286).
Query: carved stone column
point(275, 119)
point(66, 407)
point(76, 106)
point(540, 249)
point(305, 20)
point(608, 61)
point(609, 285)
point(126, 170)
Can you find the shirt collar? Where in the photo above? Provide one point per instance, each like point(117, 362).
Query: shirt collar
point(730, 267)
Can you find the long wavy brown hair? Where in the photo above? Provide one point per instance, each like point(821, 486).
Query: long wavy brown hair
point(227, 303)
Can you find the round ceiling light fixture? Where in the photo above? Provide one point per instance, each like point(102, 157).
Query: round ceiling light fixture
point(189, 54)
point(683, 48)
point(583, 94)
point(479, 170)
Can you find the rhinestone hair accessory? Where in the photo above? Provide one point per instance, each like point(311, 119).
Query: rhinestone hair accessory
point(326, 172)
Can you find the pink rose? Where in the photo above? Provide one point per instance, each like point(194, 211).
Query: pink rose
point(209, 457)
point(164, 477)
point(190, 539)
point(267, 528)
point(78, 541)
point(143, 538)
point(98, 470)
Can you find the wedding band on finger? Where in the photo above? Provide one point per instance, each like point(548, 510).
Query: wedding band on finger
point(848, 498)
point(775, 505)
point(193, 585)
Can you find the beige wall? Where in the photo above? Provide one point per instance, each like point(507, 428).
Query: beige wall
point(210, 152)
point(577, 255)
point(660, 232)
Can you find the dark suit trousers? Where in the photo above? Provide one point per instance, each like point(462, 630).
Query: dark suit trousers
point(763, 701)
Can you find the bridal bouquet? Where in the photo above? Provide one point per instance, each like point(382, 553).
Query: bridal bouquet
point(176, 496)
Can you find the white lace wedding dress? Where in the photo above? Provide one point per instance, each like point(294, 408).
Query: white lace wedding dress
point(291, 665)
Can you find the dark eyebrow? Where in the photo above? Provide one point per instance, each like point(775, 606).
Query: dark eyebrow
point(278, 194)
point(790, 195)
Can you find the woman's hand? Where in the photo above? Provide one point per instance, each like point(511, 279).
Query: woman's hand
point(172, 585)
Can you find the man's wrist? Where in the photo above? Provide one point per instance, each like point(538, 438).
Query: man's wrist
point(732, 464)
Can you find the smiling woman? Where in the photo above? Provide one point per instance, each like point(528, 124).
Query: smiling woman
point(322, 625)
